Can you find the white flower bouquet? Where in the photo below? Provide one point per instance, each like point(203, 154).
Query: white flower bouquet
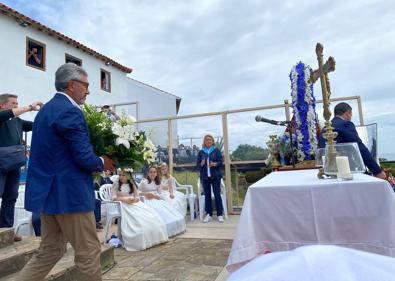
point(119, 140)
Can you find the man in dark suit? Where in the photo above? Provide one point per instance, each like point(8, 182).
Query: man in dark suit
point(346, 132)
point(59, 182)
point(11, 132)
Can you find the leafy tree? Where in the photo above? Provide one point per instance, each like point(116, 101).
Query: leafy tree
point(246, 152)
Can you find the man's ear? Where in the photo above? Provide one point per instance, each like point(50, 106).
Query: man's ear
point(70, 85)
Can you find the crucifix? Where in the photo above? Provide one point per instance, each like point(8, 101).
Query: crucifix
point(329, 134)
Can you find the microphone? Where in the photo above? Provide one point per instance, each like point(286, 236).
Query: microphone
point(259, 118)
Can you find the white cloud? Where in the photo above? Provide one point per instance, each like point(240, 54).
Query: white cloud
point(229, 54)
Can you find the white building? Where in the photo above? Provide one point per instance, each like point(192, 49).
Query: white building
point(31, 53)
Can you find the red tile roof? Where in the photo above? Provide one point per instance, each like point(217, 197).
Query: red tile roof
point(26, 21)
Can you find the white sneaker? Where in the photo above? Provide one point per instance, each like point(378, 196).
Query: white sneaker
point(220, 218)
point(207, 219)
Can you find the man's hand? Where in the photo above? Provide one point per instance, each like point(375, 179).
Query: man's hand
point(203, 162)
point(37, 105)
point(108, 163)
point(213, 164)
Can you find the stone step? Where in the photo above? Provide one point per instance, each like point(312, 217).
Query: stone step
point(65, 269)
point(6, 237)
point(15, 256)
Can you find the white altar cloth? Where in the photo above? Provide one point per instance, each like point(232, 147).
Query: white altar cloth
point(289, 209)
point(318, 263)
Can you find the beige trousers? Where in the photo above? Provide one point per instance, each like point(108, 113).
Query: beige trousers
point(79, 229)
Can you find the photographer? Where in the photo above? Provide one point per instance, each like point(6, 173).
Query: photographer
point(11, 130)
point(110, 113)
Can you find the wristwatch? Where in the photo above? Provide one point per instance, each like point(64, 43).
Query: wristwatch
point(30, 107)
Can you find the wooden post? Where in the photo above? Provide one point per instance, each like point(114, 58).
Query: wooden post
point(287, 116)
point(360, 111)
point(237, 187)
point(170, 144)
point(228, 179)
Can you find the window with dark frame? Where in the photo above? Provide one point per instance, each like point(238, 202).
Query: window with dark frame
point(35, 54)
point(105, 80)
point(72, 59)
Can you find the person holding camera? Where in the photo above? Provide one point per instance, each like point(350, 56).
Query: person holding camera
point(11, 131)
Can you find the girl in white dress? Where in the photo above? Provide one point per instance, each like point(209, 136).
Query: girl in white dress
point(141, 225)
point(151, 189)
point(169, 193)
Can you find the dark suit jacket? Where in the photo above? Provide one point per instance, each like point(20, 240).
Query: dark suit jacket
point(59, 178)
point(215, 156)
point(346, 132)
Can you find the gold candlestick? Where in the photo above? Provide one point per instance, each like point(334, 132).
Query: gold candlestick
point(273, 146)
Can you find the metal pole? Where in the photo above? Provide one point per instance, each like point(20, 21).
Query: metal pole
point(228, 180)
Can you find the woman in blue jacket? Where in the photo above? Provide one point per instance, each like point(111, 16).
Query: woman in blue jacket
point(209, 163)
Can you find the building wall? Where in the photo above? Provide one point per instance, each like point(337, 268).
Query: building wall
point(154, 103)
point(32, 84)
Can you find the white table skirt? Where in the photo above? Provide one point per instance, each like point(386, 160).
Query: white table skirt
point(318, 262)
point(289, 209)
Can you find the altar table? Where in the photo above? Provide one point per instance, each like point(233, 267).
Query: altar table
point(285, 210)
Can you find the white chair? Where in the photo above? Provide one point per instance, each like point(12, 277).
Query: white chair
point(191, 197)
point(21, 216)
point(202, 199)
point(113, 209)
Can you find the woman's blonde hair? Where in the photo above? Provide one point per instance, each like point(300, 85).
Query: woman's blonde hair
point(208, 136)
point(167, 175)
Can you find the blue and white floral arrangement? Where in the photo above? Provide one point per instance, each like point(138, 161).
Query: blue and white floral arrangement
point(303, 104)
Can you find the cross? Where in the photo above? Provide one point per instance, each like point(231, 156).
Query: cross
point(330, 134)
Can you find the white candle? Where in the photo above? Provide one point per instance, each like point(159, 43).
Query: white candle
point(343, 166)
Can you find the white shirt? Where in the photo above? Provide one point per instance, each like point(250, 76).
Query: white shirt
point(71, 100)
point(208, 166)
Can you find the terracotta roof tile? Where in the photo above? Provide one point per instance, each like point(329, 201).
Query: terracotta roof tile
point(22, 19)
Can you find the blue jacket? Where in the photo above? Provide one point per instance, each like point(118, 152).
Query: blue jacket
point(346, 132)
point(215, 156)
point(59, 178)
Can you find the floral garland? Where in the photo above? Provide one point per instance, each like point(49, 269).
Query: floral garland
point(303, 103)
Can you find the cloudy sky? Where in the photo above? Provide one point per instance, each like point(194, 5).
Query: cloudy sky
point(219, 55)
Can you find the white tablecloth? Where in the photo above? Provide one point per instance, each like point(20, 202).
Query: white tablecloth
point(289, 209)
point(318, 263)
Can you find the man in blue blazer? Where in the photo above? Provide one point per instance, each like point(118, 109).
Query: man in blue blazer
point(59, 182)
point(346, 132)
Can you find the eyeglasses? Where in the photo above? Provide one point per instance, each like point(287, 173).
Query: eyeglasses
point(86, 84)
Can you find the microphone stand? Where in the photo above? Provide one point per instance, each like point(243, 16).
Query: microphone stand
point(289, 127)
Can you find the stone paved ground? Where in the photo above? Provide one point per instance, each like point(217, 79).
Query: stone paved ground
point(180, 259)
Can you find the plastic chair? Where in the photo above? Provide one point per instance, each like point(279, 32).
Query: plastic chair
point(113, 209)
point(21, 216)
point(201, 198)
point(190, 196)
point(368, 135)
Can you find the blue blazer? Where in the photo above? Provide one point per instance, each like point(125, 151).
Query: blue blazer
point(59, 178)
point(346, 132)
point(215, 156)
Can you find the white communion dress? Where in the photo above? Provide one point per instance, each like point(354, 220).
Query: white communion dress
point(175, 222)
point(179, 202)
point(141, 226)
